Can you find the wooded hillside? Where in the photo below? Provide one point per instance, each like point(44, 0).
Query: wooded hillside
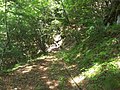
point(83, 32)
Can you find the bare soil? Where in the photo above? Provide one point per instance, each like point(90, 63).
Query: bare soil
point(44, 74)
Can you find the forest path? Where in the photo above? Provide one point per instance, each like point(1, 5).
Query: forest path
point(47, 73)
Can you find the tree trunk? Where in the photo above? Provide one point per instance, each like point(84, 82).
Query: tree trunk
point(118, 19)
point(113, 15)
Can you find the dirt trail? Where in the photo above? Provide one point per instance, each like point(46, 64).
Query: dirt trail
point(45, 74)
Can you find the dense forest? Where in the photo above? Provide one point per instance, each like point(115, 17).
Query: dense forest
point(80, 33)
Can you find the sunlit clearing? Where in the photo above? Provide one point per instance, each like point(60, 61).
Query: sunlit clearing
point(15, 89)
point(77, 80)
point(44, 69)
point(42, 57)
point(48, 82)
point(116, 63)
point(55, 83)
point(78, 55)
point(27, 69)
point(91, 72)
point(45, 57)
point(50, 57)
point(41, 67)
point(2, 8)
point(51, 87)
point(52, 47)
point(44, 77)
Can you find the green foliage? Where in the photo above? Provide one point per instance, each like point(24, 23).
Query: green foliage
point(100, 45)
point(27, 28)
point(101, 49)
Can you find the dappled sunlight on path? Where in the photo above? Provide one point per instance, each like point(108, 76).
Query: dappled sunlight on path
point(97, 75)
point(45, 74)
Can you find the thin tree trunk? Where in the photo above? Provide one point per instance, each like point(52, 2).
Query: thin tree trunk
point(114, 13)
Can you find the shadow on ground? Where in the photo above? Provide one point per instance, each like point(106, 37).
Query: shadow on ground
point(45, 74)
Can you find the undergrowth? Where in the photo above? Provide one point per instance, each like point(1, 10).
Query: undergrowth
point(98, 57)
